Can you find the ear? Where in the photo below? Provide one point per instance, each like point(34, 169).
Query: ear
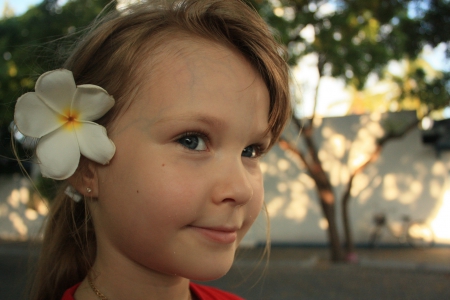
point(85, 179)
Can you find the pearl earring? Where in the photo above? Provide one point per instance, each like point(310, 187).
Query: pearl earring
point(88, 190)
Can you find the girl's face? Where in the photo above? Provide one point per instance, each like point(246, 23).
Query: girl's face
point(185, 184)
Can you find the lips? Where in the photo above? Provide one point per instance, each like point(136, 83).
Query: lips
point(217, 235)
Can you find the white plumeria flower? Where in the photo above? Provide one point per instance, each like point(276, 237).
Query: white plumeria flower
point(60, 114)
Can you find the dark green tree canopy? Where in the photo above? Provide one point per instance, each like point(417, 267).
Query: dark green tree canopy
point(37, 41)
point(354, 38)
point(33, 43)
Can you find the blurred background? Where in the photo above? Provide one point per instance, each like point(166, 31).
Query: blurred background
point(365, 158)
point(360, 175)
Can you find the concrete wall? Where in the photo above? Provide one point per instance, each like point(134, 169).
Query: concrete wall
point(407, 179)
point(21, 212)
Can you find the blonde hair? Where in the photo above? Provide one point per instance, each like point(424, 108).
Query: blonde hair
point(109, 55)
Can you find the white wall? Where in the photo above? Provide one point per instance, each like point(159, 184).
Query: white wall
point(406, 179)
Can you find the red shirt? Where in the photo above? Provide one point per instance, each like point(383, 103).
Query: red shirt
point(202, 292)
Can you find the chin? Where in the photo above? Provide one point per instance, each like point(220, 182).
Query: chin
point(208, 271)
point(209, 276)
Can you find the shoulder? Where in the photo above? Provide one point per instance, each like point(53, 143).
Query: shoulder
point(68, 295)
point(209, 293)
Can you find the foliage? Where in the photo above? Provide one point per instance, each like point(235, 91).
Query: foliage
point(31, 44)
point(354, 38)
point(418, 86)
point(415, 86)
point(351, 38)
point(435, 23)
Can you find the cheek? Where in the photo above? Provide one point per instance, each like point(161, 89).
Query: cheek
point(169, 195)
point(255, 205)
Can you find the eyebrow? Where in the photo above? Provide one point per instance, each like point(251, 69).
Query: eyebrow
point(207, 120)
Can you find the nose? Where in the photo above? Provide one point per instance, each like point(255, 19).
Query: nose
point(233, 183)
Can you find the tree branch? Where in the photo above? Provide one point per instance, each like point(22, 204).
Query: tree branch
point(346, 197)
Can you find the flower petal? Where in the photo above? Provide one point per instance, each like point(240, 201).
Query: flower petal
point(94, 142)
point(59, 154)
point(33, 117)
point(56, 88)
point(91, 102)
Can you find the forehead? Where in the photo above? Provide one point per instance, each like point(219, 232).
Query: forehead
point(188, 60)
point(193, 75)
point(191, 66)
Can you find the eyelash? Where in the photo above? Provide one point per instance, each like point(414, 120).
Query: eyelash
point(194, 133)
point(260, 149)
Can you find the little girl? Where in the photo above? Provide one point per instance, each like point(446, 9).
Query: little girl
point(186, 96)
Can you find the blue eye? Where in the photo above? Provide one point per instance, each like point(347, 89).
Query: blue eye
point(193, 142)
point(250, 151)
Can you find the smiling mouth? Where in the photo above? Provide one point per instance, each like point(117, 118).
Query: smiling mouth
point(218, 235)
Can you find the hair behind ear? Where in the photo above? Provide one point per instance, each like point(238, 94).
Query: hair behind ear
point(68, 249)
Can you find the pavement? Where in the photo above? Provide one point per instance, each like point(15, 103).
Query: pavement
point(295, 273)
point(307, 273)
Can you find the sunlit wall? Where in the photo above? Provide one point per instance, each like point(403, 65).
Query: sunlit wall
point(406, 180)
point(21, 212)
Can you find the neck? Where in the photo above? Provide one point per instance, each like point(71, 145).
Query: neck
point(117, 283)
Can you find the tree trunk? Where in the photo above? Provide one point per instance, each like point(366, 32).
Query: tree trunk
point(314, 166)
point(326, 195)
point(349, 243)
point(329, 211)
point(324, 189)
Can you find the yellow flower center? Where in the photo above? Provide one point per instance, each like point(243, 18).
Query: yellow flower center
point(70, 119)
